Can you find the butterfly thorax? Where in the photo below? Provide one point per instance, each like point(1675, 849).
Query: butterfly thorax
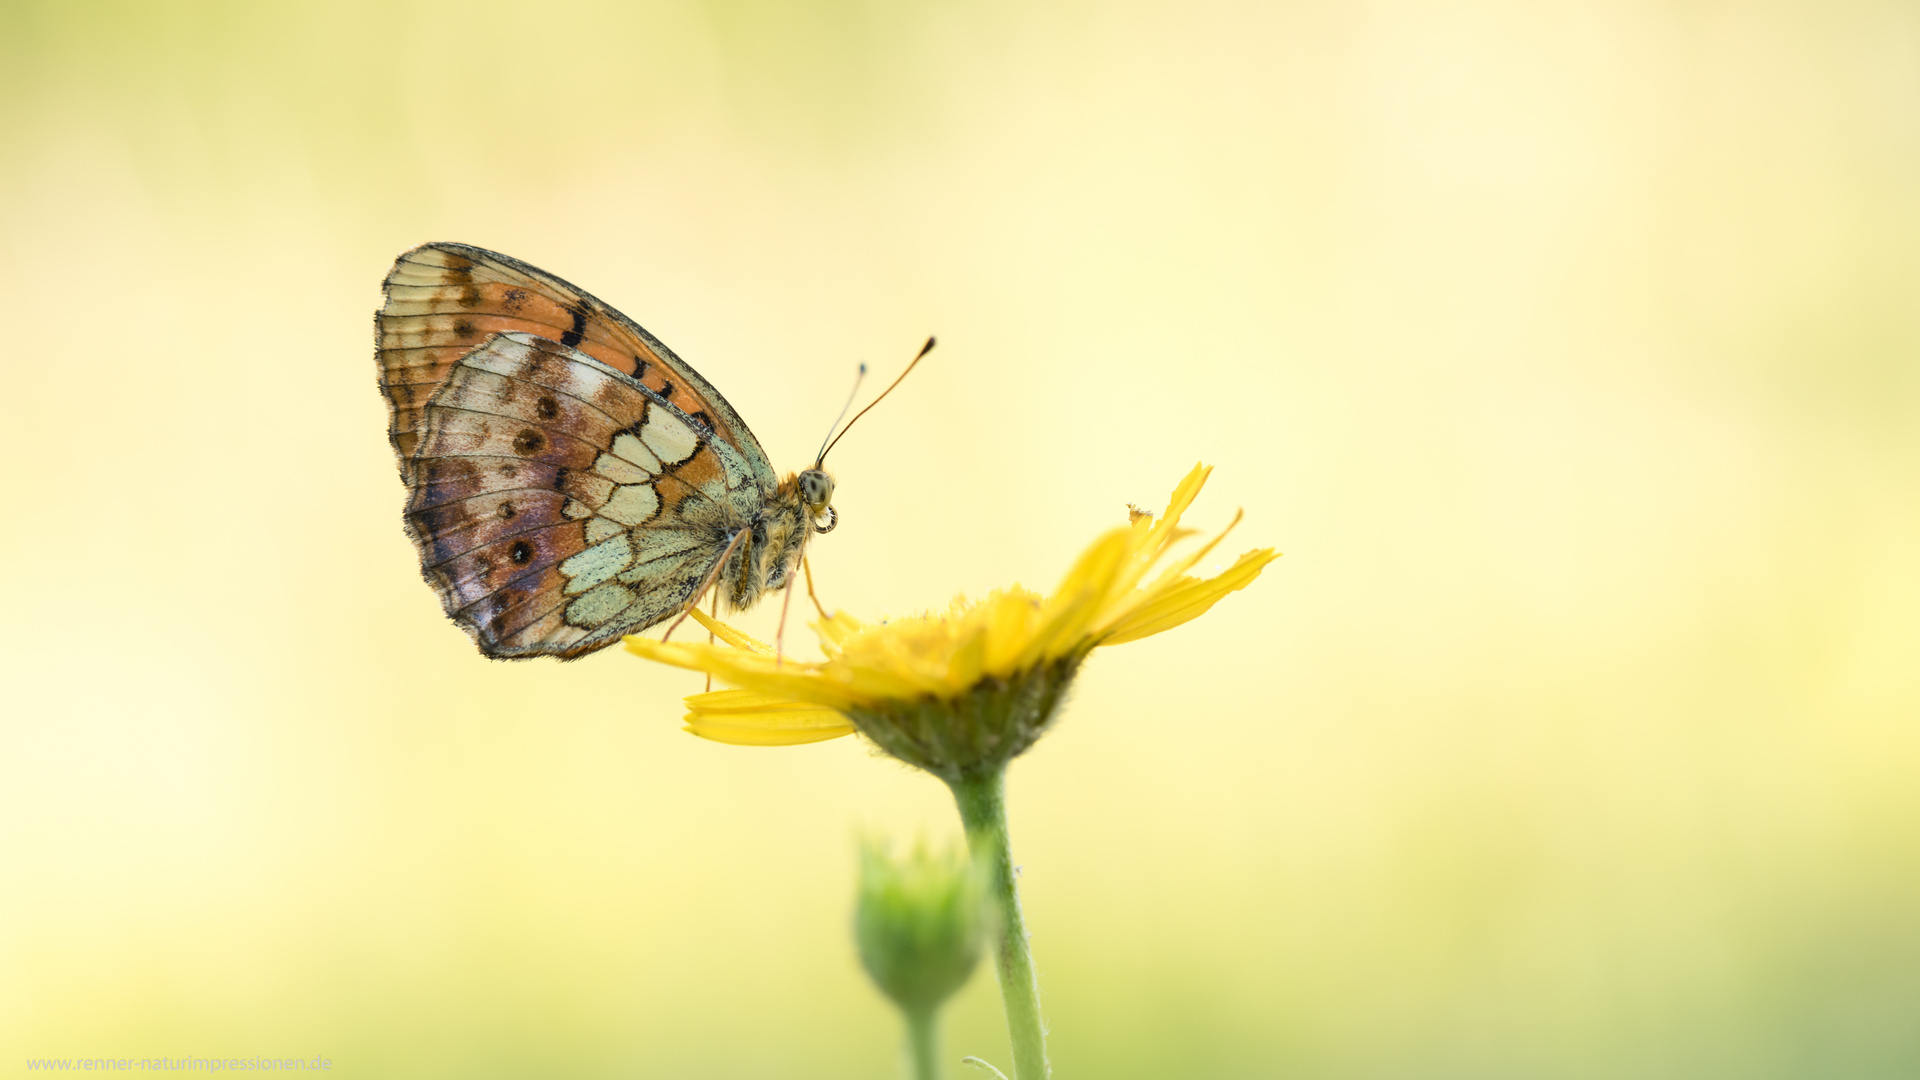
point(767, 557)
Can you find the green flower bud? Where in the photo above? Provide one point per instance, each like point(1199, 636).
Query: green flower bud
point(920, 922)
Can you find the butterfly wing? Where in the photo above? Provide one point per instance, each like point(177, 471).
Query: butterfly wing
point(557, 503)
point(442, 300)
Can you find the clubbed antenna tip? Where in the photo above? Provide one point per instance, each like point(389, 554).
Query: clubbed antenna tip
point(828, 447)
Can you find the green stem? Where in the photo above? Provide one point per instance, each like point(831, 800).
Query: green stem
point(983, 809)
point(923, 1044)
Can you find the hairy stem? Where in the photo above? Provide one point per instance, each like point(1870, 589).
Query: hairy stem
point(983, 809)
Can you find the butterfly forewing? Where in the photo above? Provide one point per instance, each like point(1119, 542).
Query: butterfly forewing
point(557, 502)
point(443, 300)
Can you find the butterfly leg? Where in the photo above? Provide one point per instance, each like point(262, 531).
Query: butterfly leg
point(701, 593)
point(780, 635)
point(716, 618)
point(817, 606)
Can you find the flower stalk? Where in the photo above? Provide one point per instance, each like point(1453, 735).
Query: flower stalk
point(923, 1043)
point(982, 798)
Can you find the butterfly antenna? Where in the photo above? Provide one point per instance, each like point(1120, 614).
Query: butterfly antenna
point(917, 357)
point(818, 458)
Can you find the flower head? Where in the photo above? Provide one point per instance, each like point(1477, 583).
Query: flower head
point(968, 688)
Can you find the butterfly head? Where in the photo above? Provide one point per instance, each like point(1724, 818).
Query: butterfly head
point(769, 554)
point(816, 495)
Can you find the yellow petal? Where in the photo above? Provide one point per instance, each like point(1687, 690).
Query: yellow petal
point(751, 718)
point(1153, 536)
point(1183, 495)
point(729, 635)
point(749, 670)
point(1061, 633)
point(719, 702)
point(691, 657)
point(835, 631)
point(1187, 599)
point(1188, 562)
point(1098, 564)
point(1007, 622)
point(968, 661)
point(885, 674)
point(1120, 611)
point(1094, 577)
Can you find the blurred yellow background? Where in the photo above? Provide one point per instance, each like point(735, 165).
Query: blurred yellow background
point(1570, 351)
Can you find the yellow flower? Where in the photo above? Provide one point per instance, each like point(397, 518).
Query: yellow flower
point(974, 685)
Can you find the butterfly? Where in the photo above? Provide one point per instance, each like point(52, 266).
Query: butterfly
point(570, 480)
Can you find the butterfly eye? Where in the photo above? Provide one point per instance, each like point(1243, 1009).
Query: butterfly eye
point(816, 487)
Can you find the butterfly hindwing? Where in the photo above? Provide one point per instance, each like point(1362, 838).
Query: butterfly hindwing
point(443, 300)
point(558, 503)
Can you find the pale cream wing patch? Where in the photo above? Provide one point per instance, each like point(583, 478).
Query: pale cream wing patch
point(557, 504)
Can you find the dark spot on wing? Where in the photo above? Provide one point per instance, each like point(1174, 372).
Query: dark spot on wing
point(547, 408)
point(470, 297)
point(441, 519)
point(579, 328)
point(445, 479)
point(463, 328)
point(459, 269)
point(506, 511)
point(529, 441)
point(520, 552)
point(640, 368)
point(512, 299)
point(703, 420)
